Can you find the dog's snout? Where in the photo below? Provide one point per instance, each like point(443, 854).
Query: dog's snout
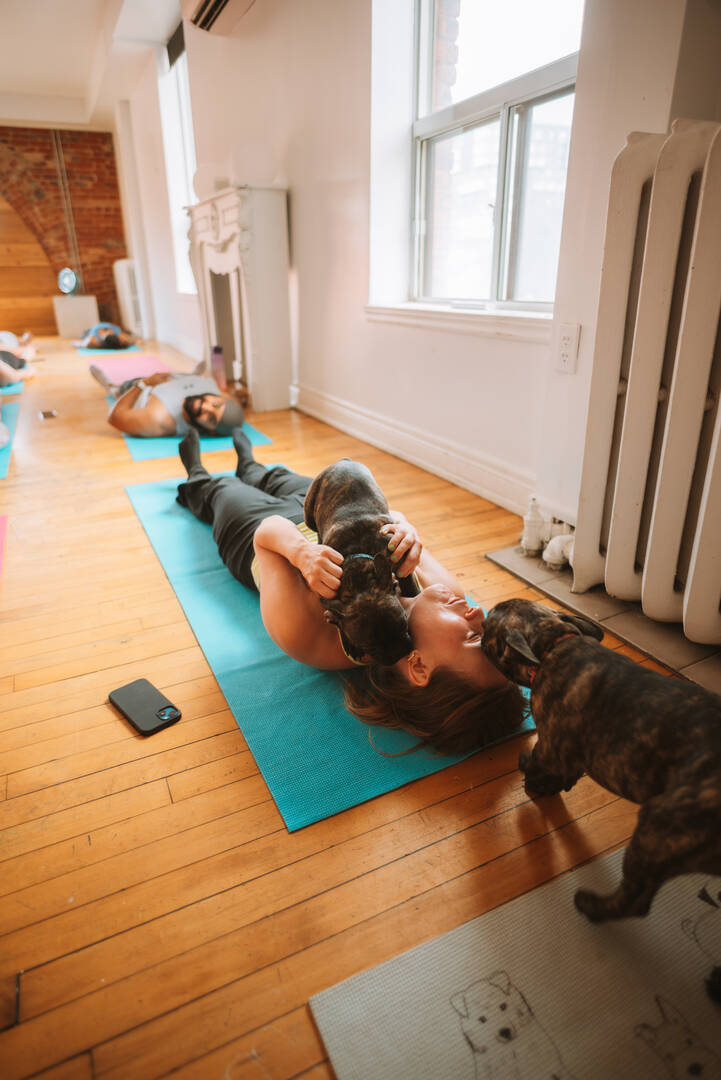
point(505, 1033)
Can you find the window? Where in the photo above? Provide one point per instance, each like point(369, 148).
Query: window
point(495, 90)
point(179, 146)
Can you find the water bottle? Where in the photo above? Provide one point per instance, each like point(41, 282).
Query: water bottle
point(533, 529)
point(217, 368)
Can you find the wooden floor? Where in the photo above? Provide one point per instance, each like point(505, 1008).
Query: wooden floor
point(155, 915)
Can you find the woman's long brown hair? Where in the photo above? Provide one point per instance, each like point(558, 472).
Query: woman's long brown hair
point(449, 714)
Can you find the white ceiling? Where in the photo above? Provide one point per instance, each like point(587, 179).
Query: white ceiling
point(66, 63)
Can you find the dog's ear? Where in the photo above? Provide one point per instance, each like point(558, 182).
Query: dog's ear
point(516, 641)
point(587, 628)
point(309, 504)
point(500, 979)
point(670, 1013)
point(458, 1001)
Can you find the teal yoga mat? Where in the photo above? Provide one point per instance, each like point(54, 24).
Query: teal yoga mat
point(12, 388)
point(146, 449)
point(167, 445)
point(316, 758)
point(106, 352)
point(9, 418)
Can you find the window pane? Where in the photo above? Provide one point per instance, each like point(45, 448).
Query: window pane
point(178, 144)
point(461, 180)
point(540, 154)
point(479, 44)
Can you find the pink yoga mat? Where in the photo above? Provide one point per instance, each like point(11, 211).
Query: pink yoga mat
point(132, 366)
point(3, 530)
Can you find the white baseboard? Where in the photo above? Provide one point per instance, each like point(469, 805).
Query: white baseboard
point(479, 473)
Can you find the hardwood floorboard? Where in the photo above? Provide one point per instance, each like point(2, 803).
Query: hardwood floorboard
point(69, 856)
point(284, 1049)
point(218, 922)
point(156, 916)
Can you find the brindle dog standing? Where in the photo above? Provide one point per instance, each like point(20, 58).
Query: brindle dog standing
point(347, 509)
point(647, 737)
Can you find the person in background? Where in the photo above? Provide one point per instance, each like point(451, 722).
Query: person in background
point(106, 335)
point(170, 403)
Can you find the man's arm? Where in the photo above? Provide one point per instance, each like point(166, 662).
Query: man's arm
point(293, 574)
point(150, 421)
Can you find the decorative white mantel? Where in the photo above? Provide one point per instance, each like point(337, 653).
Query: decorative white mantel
point(239, 254)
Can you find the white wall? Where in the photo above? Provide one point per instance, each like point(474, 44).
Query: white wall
point(176, 316)
point(288, 100)
point(641, 65)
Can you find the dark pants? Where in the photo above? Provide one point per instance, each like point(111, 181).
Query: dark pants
point(236, 505)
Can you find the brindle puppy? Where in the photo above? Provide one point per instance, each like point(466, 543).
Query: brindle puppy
point(647, 737)
point(347, 509)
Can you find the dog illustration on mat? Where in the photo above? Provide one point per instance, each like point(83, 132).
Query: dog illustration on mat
point(681, 1050)
point(507, 1041)
point(705, 932)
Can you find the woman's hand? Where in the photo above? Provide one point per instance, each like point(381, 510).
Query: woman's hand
point(404, 544)
point(321, 567)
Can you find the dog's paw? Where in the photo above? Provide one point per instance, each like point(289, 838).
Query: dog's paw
point(524, 760)
point(590, 904)
point(713, 985)
point(541, 785)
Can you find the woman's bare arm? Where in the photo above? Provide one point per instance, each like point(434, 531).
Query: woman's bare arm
point(294, 573)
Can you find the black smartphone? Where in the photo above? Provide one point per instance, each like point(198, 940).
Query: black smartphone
point(145, 707)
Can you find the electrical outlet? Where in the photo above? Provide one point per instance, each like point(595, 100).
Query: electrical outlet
point(567, 347)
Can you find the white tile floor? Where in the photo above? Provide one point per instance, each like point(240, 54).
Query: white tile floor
point(663, 642)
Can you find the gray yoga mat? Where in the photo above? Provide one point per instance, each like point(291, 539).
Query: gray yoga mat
point(541, 993)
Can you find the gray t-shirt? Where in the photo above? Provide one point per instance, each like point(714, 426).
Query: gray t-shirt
point(173, 392)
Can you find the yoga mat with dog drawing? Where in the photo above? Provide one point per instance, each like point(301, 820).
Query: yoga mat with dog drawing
point(533, 991)
point(315, 757)
point(9, 418)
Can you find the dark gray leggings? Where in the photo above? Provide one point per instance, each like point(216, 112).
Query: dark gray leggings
point(236, 505)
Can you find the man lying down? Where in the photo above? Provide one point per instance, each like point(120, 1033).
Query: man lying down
point(170, 403)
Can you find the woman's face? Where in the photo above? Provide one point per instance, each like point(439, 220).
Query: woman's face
point(443, 636)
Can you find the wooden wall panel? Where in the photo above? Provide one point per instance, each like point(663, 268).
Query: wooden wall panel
point(27, 283)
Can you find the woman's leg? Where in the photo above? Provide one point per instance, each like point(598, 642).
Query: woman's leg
point(234, 508)
point(278, 481)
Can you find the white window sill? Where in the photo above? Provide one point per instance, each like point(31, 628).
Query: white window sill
point(529, 326)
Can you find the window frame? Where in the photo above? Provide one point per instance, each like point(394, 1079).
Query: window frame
point(178, 140)
point(531, 88)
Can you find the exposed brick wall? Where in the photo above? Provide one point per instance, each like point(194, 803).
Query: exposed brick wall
point(29, 181)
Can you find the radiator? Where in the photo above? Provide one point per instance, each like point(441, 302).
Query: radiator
point(126, 287)
point(649, 513)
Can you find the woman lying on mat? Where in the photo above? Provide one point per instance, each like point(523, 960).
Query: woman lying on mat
point(170, 403)
point(445, 691)
point(105, 335)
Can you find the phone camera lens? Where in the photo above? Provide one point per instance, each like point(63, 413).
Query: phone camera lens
point(167, 712)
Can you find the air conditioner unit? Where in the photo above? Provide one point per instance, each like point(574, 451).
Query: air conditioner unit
point(220, 16)
point(126, 287)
